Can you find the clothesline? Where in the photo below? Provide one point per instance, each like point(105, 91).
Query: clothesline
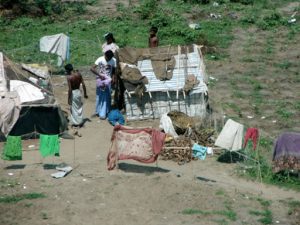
point(36, 44)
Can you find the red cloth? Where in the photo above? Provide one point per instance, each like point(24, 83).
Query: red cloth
point(251, 133)
point(141, 144)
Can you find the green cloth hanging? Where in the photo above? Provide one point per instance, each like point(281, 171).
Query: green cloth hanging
point(49, 145)
point(12, 148)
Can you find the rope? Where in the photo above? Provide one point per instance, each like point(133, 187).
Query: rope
point(85, 41)
point(14, 68)
point(21, 48)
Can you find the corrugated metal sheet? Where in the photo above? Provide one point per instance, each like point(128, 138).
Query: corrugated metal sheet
point(169, 95)
point(160, 103)
point(193, 64)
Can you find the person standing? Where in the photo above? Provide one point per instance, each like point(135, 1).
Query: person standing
point(105, 71)
point(110, 43)
point(153, 39)
point(74, 80)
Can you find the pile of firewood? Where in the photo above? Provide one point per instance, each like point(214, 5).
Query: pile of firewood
point(201, 136)
point(190, 131)
point(180, 149)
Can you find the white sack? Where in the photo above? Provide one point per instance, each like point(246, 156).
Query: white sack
point(167, 125)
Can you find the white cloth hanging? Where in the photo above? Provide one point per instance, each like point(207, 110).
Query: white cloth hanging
point(231, 136)
point(167, 125)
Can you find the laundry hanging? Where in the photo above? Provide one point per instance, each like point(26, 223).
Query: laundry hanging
point(140, 144)
point(12, 148)
point(49, 145)
point(251, 133)
point(199, 151)
point(231, 136)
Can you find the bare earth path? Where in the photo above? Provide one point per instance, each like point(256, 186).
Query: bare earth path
point(136, 193)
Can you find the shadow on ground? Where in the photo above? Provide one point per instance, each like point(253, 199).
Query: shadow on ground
point(15, 167)
point(50, 166)
point(131, 168)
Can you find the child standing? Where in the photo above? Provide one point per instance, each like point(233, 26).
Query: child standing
point(110, 43)
point(153, 39)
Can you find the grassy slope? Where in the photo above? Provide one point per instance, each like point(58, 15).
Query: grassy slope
point(129, 25)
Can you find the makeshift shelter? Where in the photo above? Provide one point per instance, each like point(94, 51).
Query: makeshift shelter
point(58, 44)
point(27, 103)
point(163, 79)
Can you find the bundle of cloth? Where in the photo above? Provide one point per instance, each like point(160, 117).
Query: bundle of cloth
point(133, 79)
point(140, 144)
point(103, 81)
point(162, 59)
point(191, 81)
point(286, 153)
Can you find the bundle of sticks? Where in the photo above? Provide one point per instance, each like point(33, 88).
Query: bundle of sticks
point(180, 149)
point(201, 136)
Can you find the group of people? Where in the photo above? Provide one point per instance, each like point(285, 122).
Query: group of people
point(105, 70)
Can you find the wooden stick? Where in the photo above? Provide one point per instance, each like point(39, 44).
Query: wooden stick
point(184, 147)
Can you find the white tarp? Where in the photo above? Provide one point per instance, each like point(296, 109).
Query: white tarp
point(231, 136)
point(3, 88)
point(26, 91)
point(9, 112)
point(58, 44)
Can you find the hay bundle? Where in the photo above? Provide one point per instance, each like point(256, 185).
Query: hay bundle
point(180, 121)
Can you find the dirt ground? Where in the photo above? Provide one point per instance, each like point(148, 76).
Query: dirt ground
point(200, 192)
point(164, 193)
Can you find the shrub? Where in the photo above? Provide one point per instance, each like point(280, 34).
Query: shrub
point(41, 7)
point(244, 2)
point(147, 9)
point(271, 19)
